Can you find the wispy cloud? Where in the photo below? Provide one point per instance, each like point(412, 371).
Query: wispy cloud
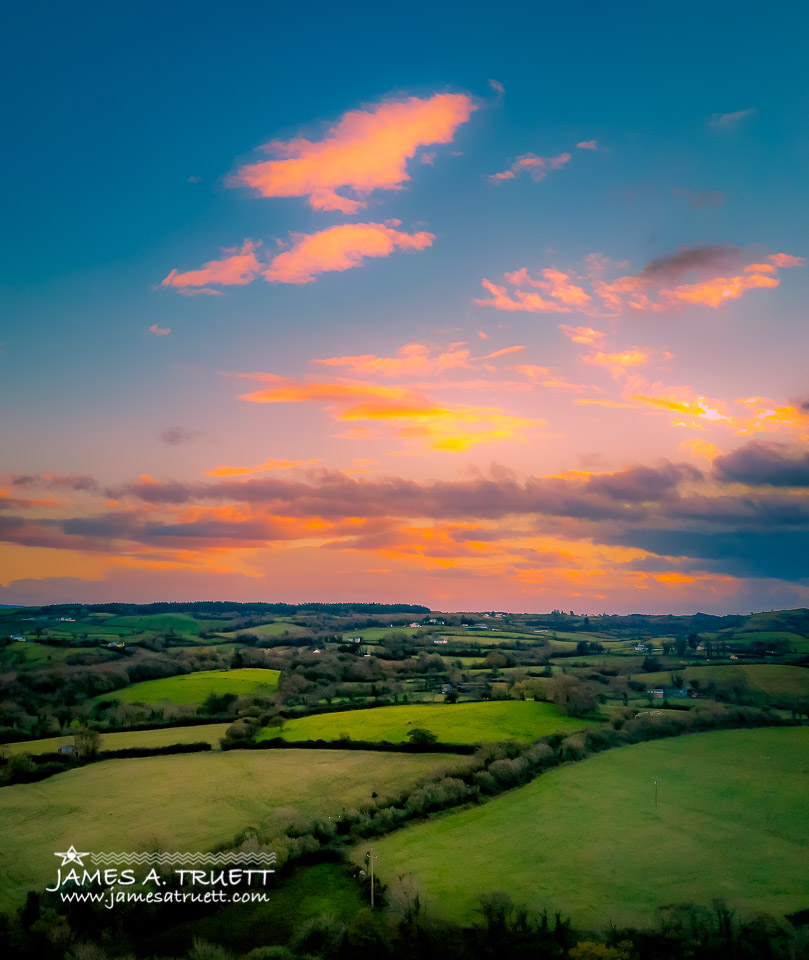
point(271, 463)
point(448, 427)
point(159, 331)
point(727, 121)
point(655, 288)
point(537, 167)
point(175, 436)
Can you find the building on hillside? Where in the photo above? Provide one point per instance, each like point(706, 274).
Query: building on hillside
point(479, 626)
point(67, 749)
point(18, 637)
point(439, 640)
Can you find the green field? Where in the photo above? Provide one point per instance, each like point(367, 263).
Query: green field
point(191, 688)
point(522, 720)
point(192, 802)
point(161, 737)
point(764, 682)
point(278, 628)
point(586, 838)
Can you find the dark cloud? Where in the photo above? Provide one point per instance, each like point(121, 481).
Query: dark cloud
point(778, 554)
point(627, 494)
point(178, 435)
point(760, 464)
point(706, 259)
point(55, 481)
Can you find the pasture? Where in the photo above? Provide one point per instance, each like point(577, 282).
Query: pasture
point(764, 682)
point(522, 720)
point(192, 802)
point(159, 737)
point(193, 688)
point(278, 628)
point(587, 839)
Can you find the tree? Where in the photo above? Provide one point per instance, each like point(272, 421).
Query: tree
point(572, 696)
point(420, 735)
point(87, 742)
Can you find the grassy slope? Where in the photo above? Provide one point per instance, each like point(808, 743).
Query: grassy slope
point(195, 687)
point(767, 680)
point(453, 723)
point(586, 838)
point(161, 737)
point(192, 802)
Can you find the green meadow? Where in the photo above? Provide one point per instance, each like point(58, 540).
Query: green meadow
point(159, 737)
point(193, 688)
point(192, 802)
point(278, 628)
point(522, 720)
point(588, 839)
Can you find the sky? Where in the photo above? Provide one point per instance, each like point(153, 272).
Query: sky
point(481, 308)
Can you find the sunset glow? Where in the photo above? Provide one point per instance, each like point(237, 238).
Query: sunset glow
point(406, 333)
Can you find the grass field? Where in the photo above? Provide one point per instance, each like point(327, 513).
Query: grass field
point(522, 720)
point(162, 737)
point(278, 628)
point(193, 802)
point(192, 688)
point(765, 682)
point(586, 838)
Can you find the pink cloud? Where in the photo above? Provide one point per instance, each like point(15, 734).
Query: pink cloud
point(365, 150)
point(537, 167)
point(707, 276)
point(237, 269)
point(587, 145)
point(159, 331)
point(340, 248)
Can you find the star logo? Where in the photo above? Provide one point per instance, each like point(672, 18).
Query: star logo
point(72, 856)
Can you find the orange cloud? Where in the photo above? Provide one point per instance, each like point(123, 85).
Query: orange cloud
point(700, 448)
point(617, 363)
point(412, 415)
point(340, 248)
point(787, 260)
point(676, 400)
point(413, 359)
point(537, 167)
point(586, 335)
point(519, 300)
point(714, 292)
point(237, 269)
point(365, 150)
point(652, 289)
point(269, 464)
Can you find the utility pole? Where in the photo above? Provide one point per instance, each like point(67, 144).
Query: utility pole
point(656, 781)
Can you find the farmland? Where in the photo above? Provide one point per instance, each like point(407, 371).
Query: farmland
point(159, 737)
point(587, 839)
point(764, 682)
point(452, 723)
point(193, 688)
point(192, 802)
